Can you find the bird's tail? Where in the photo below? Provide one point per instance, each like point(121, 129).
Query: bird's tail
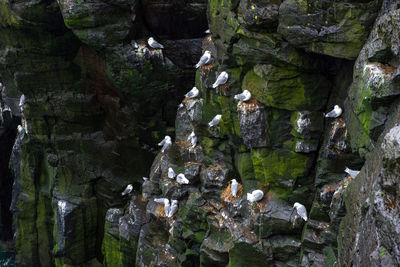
point(215, 85)
point(209, 124)
point(324, 114)
point(197, 65)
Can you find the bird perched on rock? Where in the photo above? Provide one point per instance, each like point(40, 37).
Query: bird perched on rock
point(20, 129)
point(301, 210)
point(21, 102)
point(192, 138)
point(334, 113)
point(244, 96)
point(222, 79)
point(171, 173)
point(352, 173)
point(192, 93)
point(215, 120)
point(165, 143)
point(173, 209)
point(255, 196)
point(154, 44)
point(207, 31)
point(127, 190)
point(204, 60)
point(234, 187)
point(181, 179)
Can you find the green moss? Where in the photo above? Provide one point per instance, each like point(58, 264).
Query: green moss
point(244, 165)
point(246, 255)
point(279, 168)
point(382, 253)
point(6, 17)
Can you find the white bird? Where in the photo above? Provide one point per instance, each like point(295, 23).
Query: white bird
point(20, 129)
point(255, 196)
point(165, 143)
point(234, 187)
point(21, 102)
point(301, 210)
point(181, 179)
point(222, 79)
point(244, 96)
point(192, 138)
point(171, 173)
point(167, 207)
point(207, 31)
point(352, 173)
point(192, 93)
point(154, 44)
point(334, 113)
point(173, 209)
point(127, 190)
point(134, 44)
point(145, 179)
point(204, 60)
point(160, 200)
point(215, 121)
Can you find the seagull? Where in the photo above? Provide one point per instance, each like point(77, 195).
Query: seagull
point(192, 93)
point(165, 143)
point(20, 129)
point(334, 113)
point(192, 138)
point(301, 210)
point(207, 31)
point(134, 44)
point(167, 207)
point(222, 79)
point(255, 196)
point(21, 102)
point(127, 190)
point(173, 209)
point(154, 44)
point(204, 60)
point(215, 120)
point(181, 179)
point(234, 187)
point(244, 96)
point(352, 173)
point(160, 200)
point(171, 173)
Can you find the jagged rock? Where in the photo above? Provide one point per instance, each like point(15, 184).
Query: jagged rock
point(253, 124)
point(213, 180)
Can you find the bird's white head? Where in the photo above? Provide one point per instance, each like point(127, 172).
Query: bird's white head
point(167, 138)
point(207, 52)
point(218, 117)
point(336, 107)
point(195, 88)
point(192, 134)
point(166, 201)
point(296, 205)
point(151, 39)
point(234, 181)
point(174, 202)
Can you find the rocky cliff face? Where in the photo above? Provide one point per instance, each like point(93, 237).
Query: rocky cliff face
point(99, 99)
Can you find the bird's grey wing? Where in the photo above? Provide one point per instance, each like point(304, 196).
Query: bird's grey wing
point(331, 114)
point(302, 211)
point(202, 61)
point(190, 94)
point(240, 97)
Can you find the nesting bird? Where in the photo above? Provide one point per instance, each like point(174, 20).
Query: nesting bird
point(181, 179)
point(207, 31)
point(165, 143)
point(301, 210)
point(21, 102)
point(234, 187)
point(204, 60)
point(222, 79)
point(127, 190)
point(171, 173)
point(352, 173)
point(20, 129)
point(244, 96)
point(334, 113)
point(192, 138)
point(154, 44)
point(215, 121)
point(192, 93)
point(173, 209)
point(255, 196)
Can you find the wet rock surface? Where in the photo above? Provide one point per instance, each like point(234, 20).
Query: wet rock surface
point(98, 99)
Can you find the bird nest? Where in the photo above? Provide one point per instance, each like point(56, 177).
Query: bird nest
point(224, 87)
point(249, 106)
point(207, 68)
point(160, 210)
point(227, 196)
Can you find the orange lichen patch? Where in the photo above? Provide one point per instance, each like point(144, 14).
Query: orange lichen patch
point(390, 202)
point(249, 106)
point(216, 166)
point(379, 68)
point(184, 144)
point(165, 256)
point(187, 99)
point(209, 209)
point(207, 68)
point(227, 196)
